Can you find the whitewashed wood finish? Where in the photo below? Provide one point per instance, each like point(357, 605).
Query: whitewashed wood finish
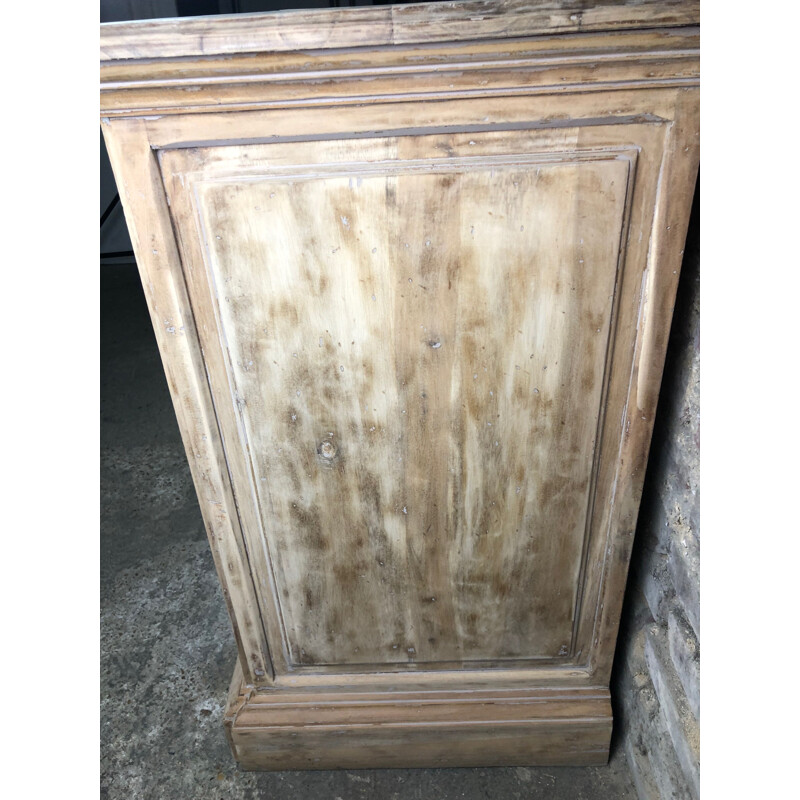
point(542, 186)
point(417, 359)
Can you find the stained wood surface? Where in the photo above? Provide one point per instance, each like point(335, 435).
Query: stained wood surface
point(432, 729)
point(345, 216)
point(387, 25)
point(544, 65)
point(417, 357)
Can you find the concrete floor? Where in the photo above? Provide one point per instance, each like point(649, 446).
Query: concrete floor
point(167, 648)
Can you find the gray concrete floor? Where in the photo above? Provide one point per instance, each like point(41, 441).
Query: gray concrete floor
point(167, 648)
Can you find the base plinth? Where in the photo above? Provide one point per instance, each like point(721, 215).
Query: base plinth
point(342, 729)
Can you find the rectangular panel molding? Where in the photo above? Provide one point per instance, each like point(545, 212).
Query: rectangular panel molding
point(411, 271)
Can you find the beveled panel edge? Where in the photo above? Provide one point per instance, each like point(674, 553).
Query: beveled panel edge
point(470, 678)
point(590, 530)
point(587, 154)
point(472, 114)
point(434, 165)
point(678, 173)
point(158, 260)
point(387, 25)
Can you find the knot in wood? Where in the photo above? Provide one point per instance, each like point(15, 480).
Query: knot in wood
point(327, 450)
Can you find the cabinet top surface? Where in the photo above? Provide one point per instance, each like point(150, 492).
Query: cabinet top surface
point(323, 29)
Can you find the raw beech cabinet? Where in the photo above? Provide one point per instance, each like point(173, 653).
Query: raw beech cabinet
point(411, 270)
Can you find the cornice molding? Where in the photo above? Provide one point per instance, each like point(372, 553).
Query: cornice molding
point(386, 25)
point(554, 64)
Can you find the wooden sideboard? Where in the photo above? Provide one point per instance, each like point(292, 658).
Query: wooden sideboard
point(411, 271)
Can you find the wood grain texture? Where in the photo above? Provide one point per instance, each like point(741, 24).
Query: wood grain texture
point(320, 29)
point(432, 729)
point(546, 65)
point(408, 59)
point(633, 428)
point(219, 167)
point(357, 275)
point(415, 462)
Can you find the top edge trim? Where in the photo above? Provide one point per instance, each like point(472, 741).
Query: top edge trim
point(323, 29)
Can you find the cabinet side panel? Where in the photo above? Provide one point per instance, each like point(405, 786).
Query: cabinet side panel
point(416, 358)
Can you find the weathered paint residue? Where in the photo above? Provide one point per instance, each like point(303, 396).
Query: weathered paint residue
point(454, 476)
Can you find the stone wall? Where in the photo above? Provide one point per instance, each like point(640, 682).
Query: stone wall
point(657, 670)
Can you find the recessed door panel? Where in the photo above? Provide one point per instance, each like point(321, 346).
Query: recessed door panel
point(415, 350)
